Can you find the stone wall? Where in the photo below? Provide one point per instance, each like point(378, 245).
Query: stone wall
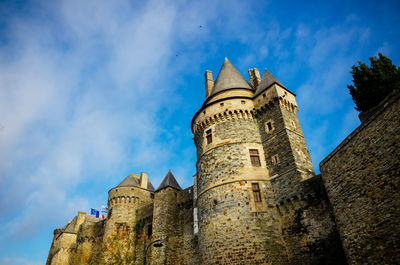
point(309, 228)
point(362, 179)
point(173, 225)
point(286, 153)
point(308, 225)
point(123, 205)
point(165, 227)
point(233, 228)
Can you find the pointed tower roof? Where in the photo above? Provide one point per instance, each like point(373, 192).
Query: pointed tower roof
point(266, 81)
point(133, 180)
point(228, 78)
point(169, 181)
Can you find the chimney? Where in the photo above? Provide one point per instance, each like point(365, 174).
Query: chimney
point(254, 76)
point(209, 82)
point(143, 180)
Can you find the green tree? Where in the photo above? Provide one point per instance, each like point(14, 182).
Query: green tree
point(373, 83)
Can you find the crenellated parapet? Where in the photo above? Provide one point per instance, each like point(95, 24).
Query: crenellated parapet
point(118, 199)
point(269, 105)
point(124, 201)
point(235, 114)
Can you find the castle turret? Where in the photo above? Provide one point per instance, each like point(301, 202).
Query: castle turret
point(132, 193)
point(166, 220)
point(298, 193)
point(286, 153)
point(238, 221)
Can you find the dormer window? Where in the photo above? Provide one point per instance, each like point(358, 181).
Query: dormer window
point(209, 136)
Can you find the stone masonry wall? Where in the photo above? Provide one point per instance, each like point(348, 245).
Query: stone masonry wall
point(123, 203)
point(173, 224)
point(233, 229)
point(308, 225)
point(286, 153)
point(165, 227)
point(309, 228)
point(188, 241)
point(362, 179)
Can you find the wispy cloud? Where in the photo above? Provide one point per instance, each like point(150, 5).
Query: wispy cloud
point(86, 94)
point(90, 91)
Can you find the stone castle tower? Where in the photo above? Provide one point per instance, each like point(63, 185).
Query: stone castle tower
point(255, 197)
point(251, 154)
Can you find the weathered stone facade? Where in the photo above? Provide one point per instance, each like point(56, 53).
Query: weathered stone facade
point(256, 198)
point(362, 179)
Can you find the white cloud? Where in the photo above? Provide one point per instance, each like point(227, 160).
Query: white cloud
point(86, 94)
point(67, 113)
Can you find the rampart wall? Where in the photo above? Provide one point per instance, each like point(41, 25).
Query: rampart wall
point(362, 179)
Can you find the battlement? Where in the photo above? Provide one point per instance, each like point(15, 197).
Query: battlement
point(271, 103)
point(223, 116)
point(122, 199)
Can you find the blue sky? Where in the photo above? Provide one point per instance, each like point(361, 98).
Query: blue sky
point(91, 91)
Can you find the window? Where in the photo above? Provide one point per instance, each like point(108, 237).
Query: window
point(243, 102)
point(269, 125)
point(255, 158)
point(256, 192)
point(221, 104)
point(209, 136)
point(275, 159)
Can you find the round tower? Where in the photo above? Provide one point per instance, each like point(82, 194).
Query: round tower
point(238, 221)
point(124, 200)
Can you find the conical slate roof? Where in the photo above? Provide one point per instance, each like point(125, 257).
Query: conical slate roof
point(228, 78)
point(169, 181)
point(266, 81)
point(134, 181)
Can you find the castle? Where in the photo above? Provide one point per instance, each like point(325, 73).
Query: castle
point(255, 197)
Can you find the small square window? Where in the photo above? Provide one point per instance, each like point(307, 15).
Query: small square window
point(256, 192)
point(275, 159)
point(209, 136)
point(264, 95)
point(269, 126)
point(221, 104)
point(243, 102)
point(255, 158)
